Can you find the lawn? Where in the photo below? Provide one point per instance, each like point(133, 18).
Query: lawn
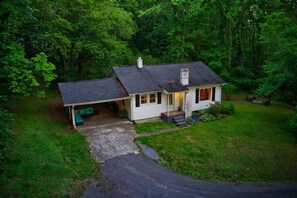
point(250, 146)
point(47, 158)
point(153, 126)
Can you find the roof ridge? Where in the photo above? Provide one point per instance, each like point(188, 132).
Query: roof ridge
point(80, 81)
point(155, 65)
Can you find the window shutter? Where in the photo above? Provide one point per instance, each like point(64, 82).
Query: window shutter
point(159, 98)
point(213, 94)
point(197, 96)
point(137, 101)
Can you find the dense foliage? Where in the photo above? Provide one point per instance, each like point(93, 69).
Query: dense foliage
point(249, 43)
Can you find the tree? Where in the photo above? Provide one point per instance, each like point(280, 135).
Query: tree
point(27, 76)
point(279, 35)
point(19, 74)
point(83, 38)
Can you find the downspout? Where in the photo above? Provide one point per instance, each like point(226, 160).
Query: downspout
point(185, 100)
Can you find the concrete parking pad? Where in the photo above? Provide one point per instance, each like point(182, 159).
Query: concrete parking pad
point(111, 141)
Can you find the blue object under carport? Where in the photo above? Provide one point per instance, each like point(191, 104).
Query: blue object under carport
point(78, 119)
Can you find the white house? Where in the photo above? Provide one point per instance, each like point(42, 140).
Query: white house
point(148, 91)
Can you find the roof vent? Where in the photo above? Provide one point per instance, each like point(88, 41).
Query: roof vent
point(139, 63)
point(184, 76)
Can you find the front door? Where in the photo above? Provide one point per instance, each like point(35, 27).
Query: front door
point(178, 101)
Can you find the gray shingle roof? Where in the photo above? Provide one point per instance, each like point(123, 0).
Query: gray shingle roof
point(91, 91)
point(151, 77)
point(173, 87)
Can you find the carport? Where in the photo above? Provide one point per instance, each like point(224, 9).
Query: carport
point(90, 92)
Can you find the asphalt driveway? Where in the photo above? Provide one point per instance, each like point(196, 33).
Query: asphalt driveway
point(134, 175)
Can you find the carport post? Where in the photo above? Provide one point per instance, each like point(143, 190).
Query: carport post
point(73, 117)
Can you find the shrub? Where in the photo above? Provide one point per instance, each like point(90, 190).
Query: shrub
point(208, 117)
point(198, 113)
point(190, 121)
point(123, 114)
point(214, 109)
point(227, 109)
point(293, 120)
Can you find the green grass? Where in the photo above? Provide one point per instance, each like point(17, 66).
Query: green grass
point(249, 146)
point(153, 126)
point(46, 158)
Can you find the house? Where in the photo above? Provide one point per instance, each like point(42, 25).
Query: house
point(148, 91)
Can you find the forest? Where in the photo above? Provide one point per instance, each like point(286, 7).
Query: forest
point(251, 44)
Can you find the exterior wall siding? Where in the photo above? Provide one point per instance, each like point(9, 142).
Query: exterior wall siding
point(149, 110)
point(155, 110)
point(192, 106)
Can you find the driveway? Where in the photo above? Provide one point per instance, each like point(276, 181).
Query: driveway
point(127, 174)
point(111, 141)
point(134, 175)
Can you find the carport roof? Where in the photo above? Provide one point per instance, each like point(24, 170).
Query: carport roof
point(91, 91)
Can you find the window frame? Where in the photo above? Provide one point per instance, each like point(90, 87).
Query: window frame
point(146, 99)
point(208, 98)
point(155, 98)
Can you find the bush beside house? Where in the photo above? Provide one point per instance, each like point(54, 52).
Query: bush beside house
point(215, 112)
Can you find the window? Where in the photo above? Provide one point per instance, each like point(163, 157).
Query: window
point(170, 99)
point(123, 102)
point(204, 94)
point(143, 99)
point(152, 98)
point(148, 99)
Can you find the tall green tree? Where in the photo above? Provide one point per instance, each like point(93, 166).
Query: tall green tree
point(84, 38)
point(18, 73)
point(279, 35)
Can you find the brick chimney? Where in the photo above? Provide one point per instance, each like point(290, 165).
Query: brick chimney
point(139, 63)
point(184, 76)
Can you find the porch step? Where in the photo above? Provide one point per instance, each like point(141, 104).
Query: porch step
point(179, 121)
